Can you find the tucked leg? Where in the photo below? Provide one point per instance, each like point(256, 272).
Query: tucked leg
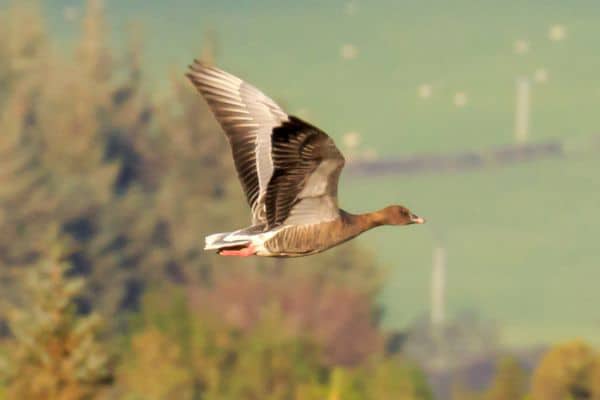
point(244, 252)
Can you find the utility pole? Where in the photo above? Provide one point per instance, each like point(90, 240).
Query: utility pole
point(523, 110)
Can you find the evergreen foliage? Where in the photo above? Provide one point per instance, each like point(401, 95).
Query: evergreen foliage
point(56, 354)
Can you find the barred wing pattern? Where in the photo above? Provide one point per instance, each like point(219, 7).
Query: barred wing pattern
point(306, 168)
point(248, 118)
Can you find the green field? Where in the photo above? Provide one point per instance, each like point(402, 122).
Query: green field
point(521, 241)
point(522, 245)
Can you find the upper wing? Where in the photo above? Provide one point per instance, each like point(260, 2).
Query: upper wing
point(248, 117)
point(307, 166)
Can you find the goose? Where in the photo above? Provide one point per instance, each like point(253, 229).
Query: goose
point(289, 171)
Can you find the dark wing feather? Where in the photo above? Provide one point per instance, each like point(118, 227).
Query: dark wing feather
point(248, 117)
point(306, 168)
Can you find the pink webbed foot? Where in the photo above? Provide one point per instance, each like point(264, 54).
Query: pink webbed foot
point(245, 252)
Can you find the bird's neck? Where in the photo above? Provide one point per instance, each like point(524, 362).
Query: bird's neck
point(358, 223)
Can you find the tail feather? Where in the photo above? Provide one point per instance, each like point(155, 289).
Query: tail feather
point(219, 241)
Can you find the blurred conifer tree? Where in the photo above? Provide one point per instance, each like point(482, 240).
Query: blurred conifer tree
point(56, 353)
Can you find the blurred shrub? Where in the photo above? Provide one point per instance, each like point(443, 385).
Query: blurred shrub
point(568, 371)
point(268, 359)
point(391, 378)
point(216, 360)
point(510, 381)
point(337, 317)
point(153, 370)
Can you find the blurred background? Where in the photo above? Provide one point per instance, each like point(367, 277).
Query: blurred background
point(480, 116)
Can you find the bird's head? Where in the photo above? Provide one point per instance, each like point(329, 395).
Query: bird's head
point(400, 215)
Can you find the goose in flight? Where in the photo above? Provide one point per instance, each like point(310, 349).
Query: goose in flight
point(289, 171)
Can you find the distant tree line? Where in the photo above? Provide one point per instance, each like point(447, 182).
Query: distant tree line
point(468, 160)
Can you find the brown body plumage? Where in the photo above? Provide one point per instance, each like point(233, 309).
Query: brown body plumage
point(289, 170)
point(303, 240)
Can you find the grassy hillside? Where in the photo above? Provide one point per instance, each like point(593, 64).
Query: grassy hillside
point(293, 52)
point(521, 241)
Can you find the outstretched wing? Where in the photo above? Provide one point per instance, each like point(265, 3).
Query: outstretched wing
point(306, 168)
point(248, 118)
